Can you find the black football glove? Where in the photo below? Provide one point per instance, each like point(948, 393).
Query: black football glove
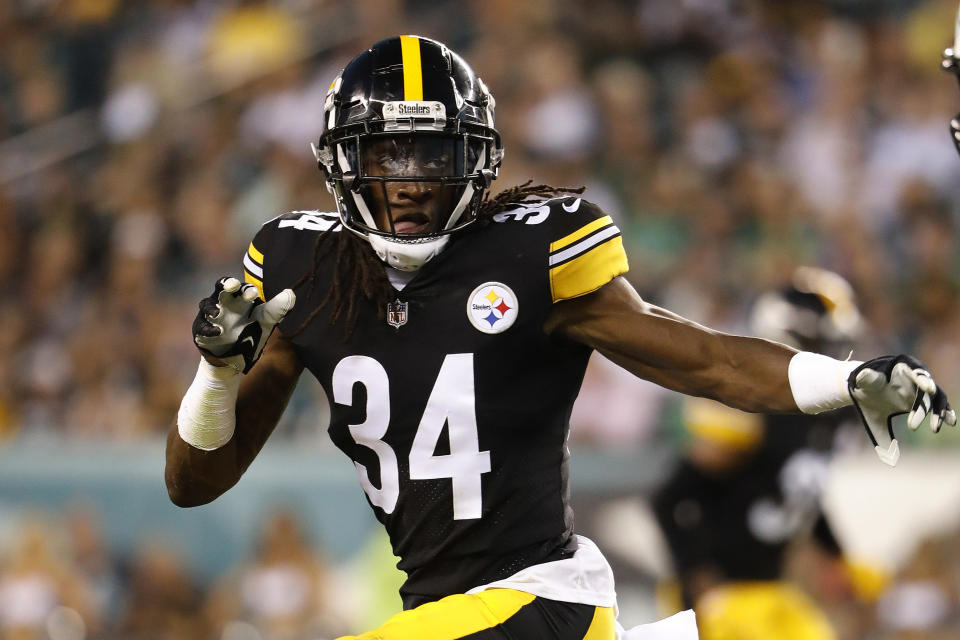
point(887, 387)
point(233, 323)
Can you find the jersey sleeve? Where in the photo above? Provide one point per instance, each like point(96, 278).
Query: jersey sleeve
point(281, 251)
point(586, 251)
point(254, 258)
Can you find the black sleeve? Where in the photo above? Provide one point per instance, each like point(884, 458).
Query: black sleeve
point(823, 536)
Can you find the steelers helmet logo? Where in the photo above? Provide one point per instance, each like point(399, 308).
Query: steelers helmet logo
point(492, 307)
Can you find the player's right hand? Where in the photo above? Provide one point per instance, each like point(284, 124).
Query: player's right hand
point(233, 323)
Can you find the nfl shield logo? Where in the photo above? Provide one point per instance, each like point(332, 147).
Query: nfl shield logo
point(396, 313)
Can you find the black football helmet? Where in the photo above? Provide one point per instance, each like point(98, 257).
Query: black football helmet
point(951, 63)
point(408, 113)
point(815, 311)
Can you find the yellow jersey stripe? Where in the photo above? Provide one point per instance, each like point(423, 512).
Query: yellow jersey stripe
point(249, 277)
point(602, 627)
point(585, 230)
point(589, 271)
point(255, 254)
point(452, 617)
point(412, 73)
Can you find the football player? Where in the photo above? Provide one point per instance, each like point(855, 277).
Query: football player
point(951, 63)
point(748, 485)
point(450, 331)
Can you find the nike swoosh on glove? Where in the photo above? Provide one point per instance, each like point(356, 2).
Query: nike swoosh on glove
point(233, 323)
point(890, 386)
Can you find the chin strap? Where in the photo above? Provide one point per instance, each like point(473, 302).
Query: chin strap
point(407, 256)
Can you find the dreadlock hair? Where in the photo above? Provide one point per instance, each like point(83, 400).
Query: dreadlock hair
point(359, 275)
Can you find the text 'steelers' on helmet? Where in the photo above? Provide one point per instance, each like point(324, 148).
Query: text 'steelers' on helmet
point(409, 116)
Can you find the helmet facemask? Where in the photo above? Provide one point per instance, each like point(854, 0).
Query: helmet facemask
point(409, 187)
point(409, 184)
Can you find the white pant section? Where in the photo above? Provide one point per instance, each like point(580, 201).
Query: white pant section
point(680, 626)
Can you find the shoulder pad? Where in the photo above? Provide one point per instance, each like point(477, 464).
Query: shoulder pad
point(586, 248)
point(266, 241)
point(538, 212)
point(307, 220)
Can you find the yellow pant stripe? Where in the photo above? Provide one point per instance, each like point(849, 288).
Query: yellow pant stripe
point(602, 627)
point(452, 617)
point(758, 611)
point(412, 74)
point(580, 233)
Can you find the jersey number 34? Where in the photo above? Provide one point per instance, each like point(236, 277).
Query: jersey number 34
point(451, 404)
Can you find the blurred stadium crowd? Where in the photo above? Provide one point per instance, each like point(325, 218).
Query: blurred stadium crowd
point(63, 583)
point(143, 143)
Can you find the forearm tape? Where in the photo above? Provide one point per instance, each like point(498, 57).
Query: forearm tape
point(207, 415)
point(818, 382)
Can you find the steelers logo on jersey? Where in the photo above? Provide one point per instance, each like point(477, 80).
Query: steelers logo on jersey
point(492, 307)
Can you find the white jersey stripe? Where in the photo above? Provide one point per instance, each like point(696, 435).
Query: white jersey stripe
point(252, 267)
point(584, 245)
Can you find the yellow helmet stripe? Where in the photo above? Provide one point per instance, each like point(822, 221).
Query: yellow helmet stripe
point(412, 74)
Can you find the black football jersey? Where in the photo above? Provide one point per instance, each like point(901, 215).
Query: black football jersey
point(737, 524)
point(453, 404)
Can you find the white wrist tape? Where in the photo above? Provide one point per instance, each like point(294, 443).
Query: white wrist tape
point(207, 417)
point(818, 382)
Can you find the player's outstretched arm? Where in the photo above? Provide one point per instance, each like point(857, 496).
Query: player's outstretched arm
point(751, 374)
point(655, 344)
point(225, 417)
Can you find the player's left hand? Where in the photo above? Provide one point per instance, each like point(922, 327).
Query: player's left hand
point(887, 387)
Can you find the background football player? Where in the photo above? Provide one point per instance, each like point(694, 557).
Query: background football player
point(749, 485)
point(951, 63)
point(455, 414)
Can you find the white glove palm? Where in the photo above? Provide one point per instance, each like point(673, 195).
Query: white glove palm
point(233, 323)
point(887, 387)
